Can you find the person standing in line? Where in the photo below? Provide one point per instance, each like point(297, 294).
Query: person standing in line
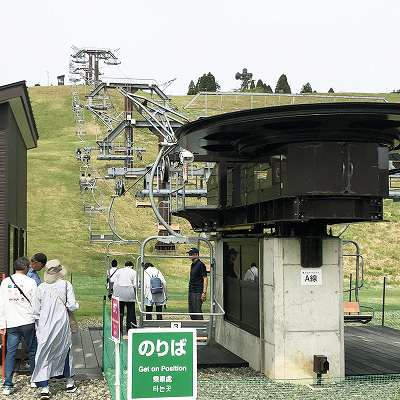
point(16, 318)
point(125, 289)
point(252, 274)
point(155, 289)
point(230, 270)
point(38, 261)
point(197, 284)
point(111, 278)
point(54, 356)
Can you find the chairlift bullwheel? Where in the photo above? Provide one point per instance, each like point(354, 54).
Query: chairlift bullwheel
point(165, 169)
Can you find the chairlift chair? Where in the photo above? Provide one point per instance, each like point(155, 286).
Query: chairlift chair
point(205, 327)
point(353, 311)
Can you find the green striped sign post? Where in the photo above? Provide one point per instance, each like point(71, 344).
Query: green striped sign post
point(162, 363)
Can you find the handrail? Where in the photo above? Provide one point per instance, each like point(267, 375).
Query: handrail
point(215, 308)
point(358, 257)
point(256, 94)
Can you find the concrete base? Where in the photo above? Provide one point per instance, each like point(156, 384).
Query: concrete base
point(296, 321)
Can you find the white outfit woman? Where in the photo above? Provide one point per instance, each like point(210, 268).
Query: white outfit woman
point(53, 330)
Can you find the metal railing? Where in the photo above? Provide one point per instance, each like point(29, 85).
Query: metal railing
point(359, 261)
point(215, 308)
point(252, 96)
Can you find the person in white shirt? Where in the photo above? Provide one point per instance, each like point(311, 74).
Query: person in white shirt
point(252, 274)
point(111, 277)
point(155, 289)
point(16, 297)
point(125, 289)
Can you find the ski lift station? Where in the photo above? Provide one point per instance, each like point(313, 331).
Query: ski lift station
point(282, 176)
point(275, 179)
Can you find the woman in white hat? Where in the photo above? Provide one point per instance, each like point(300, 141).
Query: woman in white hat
point(54, 356)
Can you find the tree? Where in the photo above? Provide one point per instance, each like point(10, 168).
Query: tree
point(282, 86)
point(331, 90)
point(267, 89)
point(192, 88)
point(252, 86)
point(207, 83)
point(306, 88)
point(259, 84)
point(213, 85)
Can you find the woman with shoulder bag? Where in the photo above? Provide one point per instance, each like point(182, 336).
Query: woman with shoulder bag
point(53, 305)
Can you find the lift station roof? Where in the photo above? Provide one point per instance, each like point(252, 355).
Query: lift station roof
point(245, 135)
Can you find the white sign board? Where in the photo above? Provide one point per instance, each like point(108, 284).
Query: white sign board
point(311, 277)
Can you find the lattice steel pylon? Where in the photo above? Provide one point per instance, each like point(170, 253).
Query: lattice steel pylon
point(89, 57)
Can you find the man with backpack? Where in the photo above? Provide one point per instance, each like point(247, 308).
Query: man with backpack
point(155, 289)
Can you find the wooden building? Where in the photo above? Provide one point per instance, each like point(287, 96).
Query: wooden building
point(18, 134)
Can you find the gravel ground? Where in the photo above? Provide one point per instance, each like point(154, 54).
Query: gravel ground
point(87, 390)
point(85, 323)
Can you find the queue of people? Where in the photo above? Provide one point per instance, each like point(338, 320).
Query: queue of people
point(122, 284)
point(38, 314)
point(155, 289)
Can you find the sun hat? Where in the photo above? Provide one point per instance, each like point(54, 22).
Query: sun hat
point(54, 271)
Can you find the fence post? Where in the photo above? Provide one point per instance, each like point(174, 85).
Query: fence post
point(383, 301)
point(351, 279)
point(104, 334)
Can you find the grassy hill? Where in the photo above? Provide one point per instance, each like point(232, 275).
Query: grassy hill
point(58, 227)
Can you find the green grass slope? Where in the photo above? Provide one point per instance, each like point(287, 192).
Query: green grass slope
point(58, 227)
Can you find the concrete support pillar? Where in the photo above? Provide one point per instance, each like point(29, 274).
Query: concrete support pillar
point(297, 321)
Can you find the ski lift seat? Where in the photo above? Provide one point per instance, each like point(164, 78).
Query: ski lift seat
point(101, 238)
point(174, 227)
point(88, 209)
point(143, 204)
point(352, 312)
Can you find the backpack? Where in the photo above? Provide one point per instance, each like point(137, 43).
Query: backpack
point(156, 284)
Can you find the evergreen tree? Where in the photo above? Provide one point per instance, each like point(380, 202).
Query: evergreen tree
point(192, 88)
point(282, 86)
point(207, 83)
point(260, 84)
point(213, 85)
point(267, 89)
point(252, 86)
point(331, 90)
point(306, 88)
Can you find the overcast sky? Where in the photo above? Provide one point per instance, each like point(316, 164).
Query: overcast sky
point(350, 45)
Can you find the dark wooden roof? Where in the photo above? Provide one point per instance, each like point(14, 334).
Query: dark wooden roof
point(16, 94)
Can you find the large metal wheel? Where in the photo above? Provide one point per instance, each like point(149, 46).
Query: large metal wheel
point(165, 169)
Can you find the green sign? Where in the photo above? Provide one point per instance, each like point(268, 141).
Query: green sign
point(162, 363)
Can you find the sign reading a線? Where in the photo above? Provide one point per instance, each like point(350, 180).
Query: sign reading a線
point(162, 363)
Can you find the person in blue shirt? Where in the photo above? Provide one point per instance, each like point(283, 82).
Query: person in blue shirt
point(38, 261)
